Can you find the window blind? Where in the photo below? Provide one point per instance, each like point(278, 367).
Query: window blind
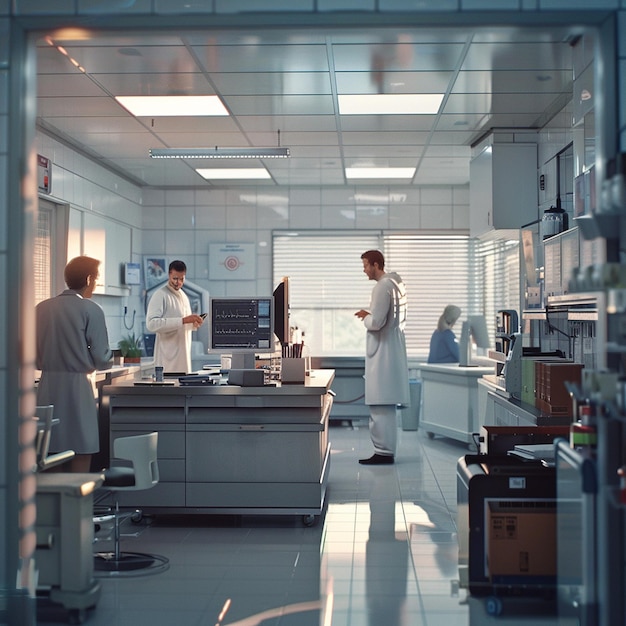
point(43, 255)
point(328, 285)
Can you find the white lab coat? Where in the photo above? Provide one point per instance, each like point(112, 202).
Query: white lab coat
point(386, 366)
point(172, 346)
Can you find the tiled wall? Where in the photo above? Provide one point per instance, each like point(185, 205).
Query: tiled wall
point(85, 185)
point(184, 223)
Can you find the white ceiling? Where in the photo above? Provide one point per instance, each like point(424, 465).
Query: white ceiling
point(288, 81)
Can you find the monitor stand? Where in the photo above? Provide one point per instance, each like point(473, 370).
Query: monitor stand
point(243, 361)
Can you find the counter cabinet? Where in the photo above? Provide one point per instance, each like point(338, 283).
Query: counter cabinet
point(225, 449)
point(450, 400)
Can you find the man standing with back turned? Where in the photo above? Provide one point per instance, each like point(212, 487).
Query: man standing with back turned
point(386, 366)
point(72, 342)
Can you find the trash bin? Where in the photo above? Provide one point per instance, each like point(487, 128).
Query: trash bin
point(411, 413)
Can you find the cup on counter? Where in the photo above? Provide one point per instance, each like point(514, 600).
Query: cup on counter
point(158, 374)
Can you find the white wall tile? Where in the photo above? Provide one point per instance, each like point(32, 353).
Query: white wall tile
point(372, 217)
point(338, 216)
point(277, 217)
point(154, 242)
point(342, 196)
point(240, 217)
point(178, 198)
point(309, 196)
point(436, 216)
point(179, 243)
point(460, 217)
point(404, 216)
point(303, 216)
point(153, 217)
point(461, 195)
point(436, 195)
point(179, 217)
point(153, 197)
point(209, 197)
point(211, 217)
point(204, 237)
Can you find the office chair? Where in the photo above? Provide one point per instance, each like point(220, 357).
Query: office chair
point(45, 422)
point(141, 451)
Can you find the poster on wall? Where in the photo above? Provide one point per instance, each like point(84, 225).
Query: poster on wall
point(231, 261)
point(155, 270)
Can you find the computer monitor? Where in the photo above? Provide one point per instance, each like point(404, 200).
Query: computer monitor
point(241, 327)
point(474, 328)
point(281, 311)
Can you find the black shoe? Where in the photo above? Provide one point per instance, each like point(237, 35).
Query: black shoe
point(378, 459)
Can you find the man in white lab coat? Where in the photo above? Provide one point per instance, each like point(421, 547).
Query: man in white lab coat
point(169, 316)
point(386, 366)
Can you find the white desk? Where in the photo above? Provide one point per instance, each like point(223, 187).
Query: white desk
point(450, 406)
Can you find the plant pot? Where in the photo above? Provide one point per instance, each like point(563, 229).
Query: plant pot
point(132, 359)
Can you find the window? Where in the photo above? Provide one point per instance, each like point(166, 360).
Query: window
point(43, 256)
point(50, 249)
point(328, 285)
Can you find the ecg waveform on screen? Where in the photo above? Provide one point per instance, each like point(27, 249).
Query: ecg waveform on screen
point(241, 324)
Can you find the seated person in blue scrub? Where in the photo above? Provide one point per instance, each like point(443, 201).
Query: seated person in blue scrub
point(443, 345)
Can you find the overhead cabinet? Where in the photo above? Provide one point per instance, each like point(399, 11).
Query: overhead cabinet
point(503, 187)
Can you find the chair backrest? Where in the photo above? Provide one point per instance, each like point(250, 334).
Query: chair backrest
point(44, 414)
point(141, 451)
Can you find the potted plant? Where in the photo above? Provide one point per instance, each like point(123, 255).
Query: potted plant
point(130, 347)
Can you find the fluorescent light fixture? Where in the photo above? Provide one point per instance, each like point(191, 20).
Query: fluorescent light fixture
point(257, 173)
point(169, 106)
point(390, 104)
point(219, 153)
point(380, 172)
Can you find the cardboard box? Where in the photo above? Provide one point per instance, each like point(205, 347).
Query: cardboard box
point(551, 394)
point(521, 540)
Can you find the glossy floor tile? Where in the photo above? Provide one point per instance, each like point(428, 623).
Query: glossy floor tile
point(384, 554)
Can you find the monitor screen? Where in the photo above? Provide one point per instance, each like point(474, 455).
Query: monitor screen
point(241, 324)
point(281, 311)
point(475, 327)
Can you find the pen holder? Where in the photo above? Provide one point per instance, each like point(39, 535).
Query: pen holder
point(293, 370)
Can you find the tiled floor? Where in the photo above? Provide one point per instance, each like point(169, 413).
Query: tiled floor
point(385, 554)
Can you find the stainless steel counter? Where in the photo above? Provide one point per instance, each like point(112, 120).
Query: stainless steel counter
point(229, 449)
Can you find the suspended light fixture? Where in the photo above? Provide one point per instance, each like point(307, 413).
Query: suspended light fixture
point(277, 152)
point(219, 153)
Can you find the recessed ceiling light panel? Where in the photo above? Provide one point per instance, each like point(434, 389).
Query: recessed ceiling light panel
point(390, 104)
point(170, 106)
point(242, 173)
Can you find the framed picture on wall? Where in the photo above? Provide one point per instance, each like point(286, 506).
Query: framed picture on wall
point(155, 270)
